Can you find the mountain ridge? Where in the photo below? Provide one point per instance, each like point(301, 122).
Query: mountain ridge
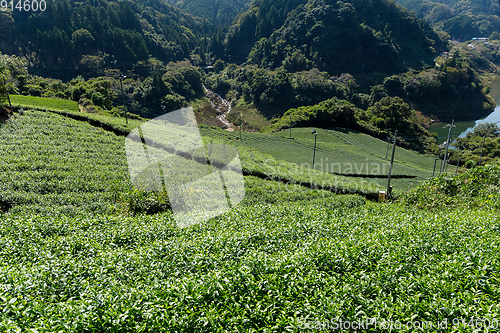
point(92, 35)
point(220, 13)
point(334, 35)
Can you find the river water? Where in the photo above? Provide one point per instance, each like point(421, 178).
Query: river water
point(464, 127)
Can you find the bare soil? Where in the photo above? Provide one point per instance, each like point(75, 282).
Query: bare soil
point(5, 114)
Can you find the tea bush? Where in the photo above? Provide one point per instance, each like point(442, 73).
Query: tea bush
point(266, 267)
point(477, 187)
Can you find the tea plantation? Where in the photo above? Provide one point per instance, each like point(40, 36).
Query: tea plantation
point(79, 254)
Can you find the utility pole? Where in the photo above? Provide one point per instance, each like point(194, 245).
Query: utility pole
point(290, 126)
point(388, 193)
point(435, 161)
point(314, 152)
point(482, 146)
point(123, 97)
point(447, 143)
point(441, 165)
point(458, 163)
point(163, 109)
point(388, 144)
point(240, 125)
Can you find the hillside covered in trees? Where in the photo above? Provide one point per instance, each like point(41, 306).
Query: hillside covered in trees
point(462, 19)
point(334, 36)
point(300, 53)
point(220, 13)
point(72, 37)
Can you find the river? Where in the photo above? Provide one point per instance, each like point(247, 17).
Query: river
point(464, 127)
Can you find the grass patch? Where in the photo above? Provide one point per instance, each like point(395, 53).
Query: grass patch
point(52, 104)
point(252, 118)
point(68, 108)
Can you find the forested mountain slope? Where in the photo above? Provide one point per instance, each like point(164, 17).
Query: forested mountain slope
point(463, 19)
point(89, 35)
point(332, 35)
point(219, 12)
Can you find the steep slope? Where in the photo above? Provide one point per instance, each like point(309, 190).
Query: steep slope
point(333, 35)
point(90, 35)
point(460, 19)
point(218, 12)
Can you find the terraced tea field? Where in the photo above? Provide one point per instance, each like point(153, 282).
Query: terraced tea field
point(339, 151)
point(51, 163)
point(52, 104)
point(74, 256)
point(49, 158)
point(71, 109)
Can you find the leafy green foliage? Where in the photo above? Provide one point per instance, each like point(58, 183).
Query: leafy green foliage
point(274, 91)
point(172, 90)
point(261, 191)
point(181, 83)
point(471, 146)
point(381, 120)
point(271, 267)
point(45, 103)
point(71, 109)
point(394, 114)
point(460, 19)
point(4, 73)
point(142, 202)
point(73, 37)
point(265, 166)
point(478, 187)
point(72, 178)
point(335, 36)
point(219, 13)
point(72, 260)
point(51, 163)
point(451, 91)
point(333, 112)
point(339, 152)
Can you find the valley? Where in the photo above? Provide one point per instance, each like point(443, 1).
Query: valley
point(275, 128)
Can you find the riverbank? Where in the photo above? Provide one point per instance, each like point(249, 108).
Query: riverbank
point(462, 127)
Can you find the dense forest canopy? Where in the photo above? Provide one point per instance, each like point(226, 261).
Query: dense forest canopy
point(220, 13)
point(462, 19)
point(334, 36)
point(95, 34)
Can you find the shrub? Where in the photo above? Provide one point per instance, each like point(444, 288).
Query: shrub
point(478, 187)
point(143, 202)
